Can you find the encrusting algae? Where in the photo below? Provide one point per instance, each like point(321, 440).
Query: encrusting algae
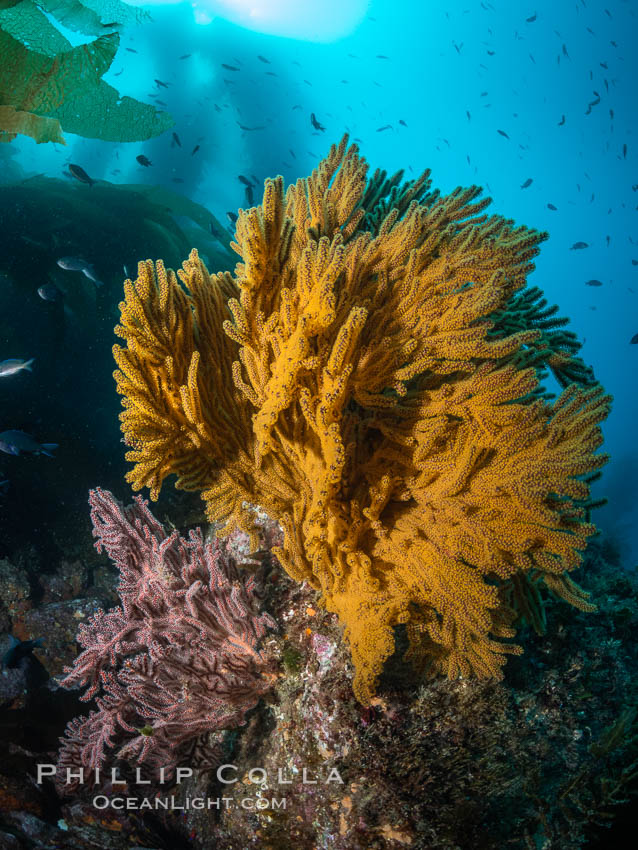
point(371, 377)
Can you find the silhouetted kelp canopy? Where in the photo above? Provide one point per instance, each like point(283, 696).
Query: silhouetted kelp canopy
point(68, 399)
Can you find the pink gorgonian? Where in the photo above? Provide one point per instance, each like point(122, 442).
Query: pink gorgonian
point(177, 659)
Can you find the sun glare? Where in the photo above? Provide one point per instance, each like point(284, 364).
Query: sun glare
point(326, 21)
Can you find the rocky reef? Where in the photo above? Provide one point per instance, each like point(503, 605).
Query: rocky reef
point(544, 759)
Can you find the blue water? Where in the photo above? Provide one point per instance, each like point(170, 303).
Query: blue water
point(456, 73)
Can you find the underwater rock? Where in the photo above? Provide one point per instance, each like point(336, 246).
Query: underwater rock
point(59, 621)
point(15, 591)
point(70, 579)
point(464, 764)
point(539, 759)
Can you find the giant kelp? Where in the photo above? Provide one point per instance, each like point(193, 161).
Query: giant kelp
point(47, 86)
point(64, 399)
point(43, 218)
point(371, 376)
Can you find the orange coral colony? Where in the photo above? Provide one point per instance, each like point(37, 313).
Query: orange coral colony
point(370, 375)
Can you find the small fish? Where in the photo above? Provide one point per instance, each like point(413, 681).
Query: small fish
point(562, 121)
point(214, 230)
point(503, 133)
point(186, 56)
point(292, 153)
point(13, 366)
point(532, 58)
point(402, 122)
point(143, 160)
point(15, 442)
point(258, 127)
point(315, 123)
point(271, 74)
point(80, 174)
point(608, 240)
point(624, 151)
point(385, 127)
point(381, 56)
point(195, 149)
point(248, 192)
point(527, 183)
point(577, 246)
point(230, 67)
point(161, 102)
point(469, 117)
point(263, 59)
point(176, 140)
point(634, 340)
point(160, 84)
point(232, 217)
point(531, 19)
point(551, 207)
point(77, 264)
point(244, 180)
point(50, 292)
point(19, 649)
point(593, 282)
point(565, 53)
point(130, 50)
point(117, 74)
